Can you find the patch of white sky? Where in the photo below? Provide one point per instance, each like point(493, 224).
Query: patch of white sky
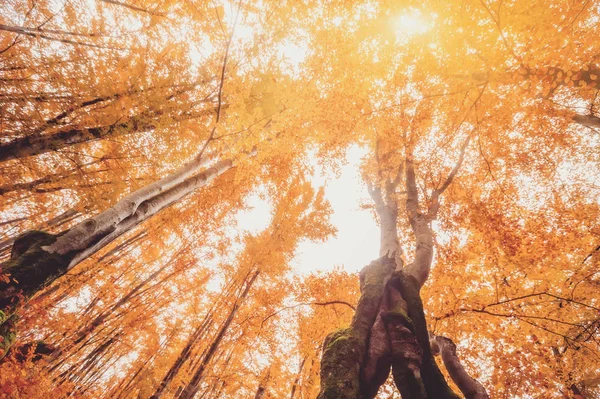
point(412, 22)
point(356, 242)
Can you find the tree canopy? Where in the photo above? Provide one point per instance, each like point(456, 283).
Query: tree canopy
point(134, 135)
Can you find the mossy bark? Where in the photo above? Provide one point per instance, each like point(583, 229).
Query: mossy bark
point(30, 268)
point(7, 335)
point(433, 380)
point(345, 350)
point(340, 365)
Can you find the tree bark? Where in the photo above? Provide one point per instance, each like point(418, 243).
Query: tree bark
point(297, 379)
point(38, 258)
point(192, 386)
point(590, 121)
point(469, 386)
point(37, 143)
point(389, 328)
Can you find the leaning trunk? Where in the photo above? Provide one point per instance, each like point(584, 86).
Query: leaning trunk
point(38, 258)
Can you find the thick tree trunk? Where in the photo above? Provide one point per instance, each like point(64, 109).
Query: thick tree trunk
point(38, 258)
point(345, 350)
point(389, 329)
point(54, 223)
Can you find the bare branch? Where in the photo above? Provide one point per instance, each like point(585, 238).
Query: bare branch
point(134, 8)
point(399, 176)
point(306, 304)
point(412, 200)
point(456, 167)
point(221, 83)
point(435, 196)
point(39, 33)
point(23, 29)
point(375, 193)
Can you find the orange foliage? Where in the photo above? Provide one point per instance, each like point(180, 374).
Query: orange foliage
point(279, 87)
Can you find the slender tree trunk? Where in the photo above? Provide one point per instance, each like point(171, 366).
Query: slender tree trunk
point(38, 143)
point(591, 121)
point(192, 386)
point(469, 386)
point(297, 379)
point(185, 353)
point(99, 319)
point(182, 357)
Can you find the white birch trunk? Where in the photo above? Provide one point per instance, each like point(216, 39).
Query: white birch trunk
point(93, 234)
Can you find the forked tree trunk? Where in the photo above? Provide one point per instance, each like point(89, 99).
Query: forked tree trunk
point(389, 330)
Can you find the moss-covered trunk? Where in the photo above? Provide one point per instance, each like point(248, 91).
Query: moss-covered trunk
point(389, 330)
point(348, 369)
point(345, 350)
point(38, 258)
point(30, 268)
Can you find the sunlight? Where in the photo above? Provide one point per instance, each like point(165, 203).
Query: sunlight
point(411, 23)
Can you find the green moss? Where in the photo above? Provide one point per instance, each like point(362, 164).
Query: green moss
point(7, 335)
point(30, 269)
point(373, 279)
point(340, 365)
point(400, 315)
point(374, 275)
point(28, 239)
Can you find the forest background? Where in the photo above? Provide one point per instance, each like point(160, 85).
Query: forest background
point(189, 190)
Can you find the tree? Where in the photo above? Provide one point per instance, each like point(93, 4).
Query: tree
point(479, 120)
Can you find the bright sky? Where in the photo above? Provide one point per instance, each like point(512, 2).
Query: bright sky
point(356, 243)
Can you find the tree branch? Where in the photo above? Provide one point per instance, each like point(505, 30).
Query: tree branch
point(306, 304)
point(470, 387)
point(435, 197)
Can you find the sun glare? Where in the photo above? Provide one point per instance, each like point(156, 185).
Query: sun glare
point(411, 23)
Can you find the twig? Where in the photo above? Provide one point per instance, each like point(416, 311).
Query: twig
point(306, 304)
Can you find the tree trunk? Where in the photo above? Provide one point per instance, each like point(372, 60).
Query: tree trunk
point(591, 121)
point(389, 329)
point(38, 258)
point(38, 143)
point(297, 379)
point(469, 386)
point(192, 386)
